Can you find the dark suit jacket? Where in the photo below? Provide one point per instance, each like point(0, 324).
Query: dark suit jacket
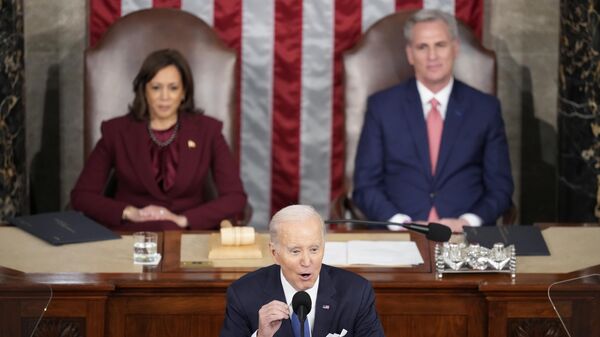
point(344, 301)
point(124, 147)
point(393, 171)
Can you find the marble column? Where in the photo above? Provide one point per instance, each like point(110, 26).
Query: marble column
point(12, 135)
point(579, 111)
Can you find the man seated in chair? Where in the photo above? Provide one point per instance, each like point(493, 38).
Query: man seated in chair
point(432, 148)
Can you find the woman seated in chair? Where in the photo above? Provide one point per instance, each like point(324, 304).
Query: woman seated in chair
point(162, 153)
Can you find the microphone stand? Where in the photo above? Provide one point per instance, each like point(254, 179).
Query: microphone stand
point(433, 231)
point(302, 314)
point(364, 222)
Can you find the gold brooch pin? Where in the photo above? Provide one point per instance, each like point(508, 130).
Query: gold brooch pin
point(191, 144)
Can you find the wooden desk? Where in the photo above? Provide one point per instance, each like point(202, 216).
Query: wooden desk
point(175, 300)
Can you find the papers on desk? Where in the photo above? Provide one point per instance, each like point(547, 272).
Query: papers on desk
point(379, 253)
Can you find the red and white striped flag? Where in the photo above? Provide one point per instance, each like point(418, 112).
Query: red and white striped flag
point(291, 97)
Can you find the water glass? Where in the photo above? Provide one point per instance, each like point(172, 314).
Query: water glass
point(145, 248)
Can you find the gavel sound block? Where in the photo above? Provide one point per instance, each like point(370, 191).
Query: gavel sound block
point(234, 243)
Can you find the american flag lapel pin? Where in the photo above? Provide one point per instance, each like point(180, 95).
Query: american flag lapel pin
point(325, 306)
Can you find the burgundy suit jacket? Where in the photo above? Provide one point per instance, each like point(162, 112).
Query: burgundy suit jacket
point(124, 147)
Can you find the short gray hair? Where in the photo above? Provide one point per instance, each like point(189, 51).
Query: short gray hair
point(428, 15)
point(296, 213)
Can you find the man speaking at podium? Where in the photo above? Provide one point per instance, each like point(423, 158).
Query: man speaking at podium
point(259, 303)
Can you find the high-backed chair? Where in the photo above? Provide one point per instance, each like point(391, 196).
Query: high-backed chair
point(378, 61)
point(112, 64)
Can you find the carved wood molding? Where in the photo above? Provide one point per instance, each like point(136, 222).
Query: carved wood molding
point(55, 327)
point(535, 327)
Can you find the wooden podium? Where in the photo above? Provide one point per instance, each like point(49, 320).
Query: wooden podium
point(176, 299)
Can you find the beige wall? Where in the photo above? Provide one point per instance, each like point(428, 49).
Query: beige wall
point(55, 37)
point(524, 34)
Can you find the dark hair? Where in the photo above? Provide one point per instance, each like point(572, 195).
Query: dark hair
point(153, 63)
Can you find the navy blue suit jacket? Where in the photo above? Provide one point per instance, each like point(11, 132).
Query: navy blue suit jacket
point(344, 301)
point(393, 171)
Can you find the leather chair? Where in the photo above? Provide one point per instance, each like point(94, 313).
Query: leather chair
point(112, 64)
point(378, 61)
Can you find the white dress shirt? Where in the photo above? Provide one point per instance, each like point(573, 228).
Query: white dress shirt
point(289, 291)
point(443, 97)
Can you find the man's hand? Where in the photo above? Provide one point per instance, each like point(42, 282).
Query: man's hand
point(456, 225)
point(270, 316)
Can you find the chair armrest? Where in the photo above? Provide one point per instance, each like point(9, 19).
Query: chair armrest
point(243, 218)
point(510, 216)
point(343, 207)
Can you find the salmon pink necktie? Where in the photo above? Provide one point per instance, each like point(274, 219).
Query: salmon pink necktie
point(435, 125)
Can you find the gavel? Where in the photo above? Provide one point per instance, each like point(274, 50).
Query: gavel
point(236, 236)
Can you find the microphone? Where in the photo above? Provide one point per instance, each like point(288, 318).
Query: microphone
point(433, 231)
point(301, 304)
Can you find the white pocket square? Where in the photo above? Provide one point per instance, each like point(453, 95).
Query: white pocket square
point(342, 334)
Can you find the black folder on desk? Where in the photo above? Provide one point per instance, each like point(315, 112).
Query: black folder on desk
point(528, 240)
point(61, 228)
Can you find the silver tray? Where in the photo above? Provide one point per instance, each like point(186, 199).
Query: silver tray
point(454, 258)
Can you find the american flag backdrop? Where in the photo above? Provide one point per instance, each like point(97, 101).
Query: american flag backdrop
point(291, 91)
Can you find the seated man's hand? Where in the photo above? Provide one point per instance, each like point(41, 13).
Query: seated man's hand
point(270, 316)
point(456, 225)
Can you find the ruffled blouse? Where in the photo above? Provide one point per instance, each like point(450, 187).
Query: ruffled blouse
point(164, 159)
